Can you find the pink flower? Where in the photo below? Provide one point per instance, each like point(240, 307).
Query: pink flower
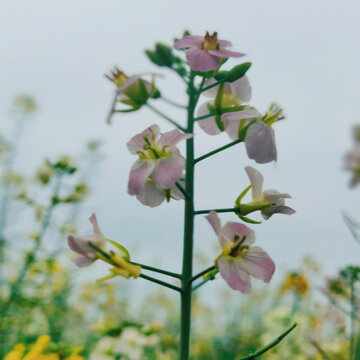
point(238, 260)
point(204, 53)
point(234, 94)
point(270, 202)
point(159, 167)
point(80, 244)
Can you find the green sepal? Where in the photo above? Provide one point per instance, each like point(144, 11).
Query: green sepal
point(240, 197)
point(237, 72)
point(167, 194)
point(206, 74)
point(122, 249)
point(246, 219)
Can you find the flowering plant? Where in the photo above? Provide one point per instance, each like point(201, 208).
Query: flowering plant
point(161, 172)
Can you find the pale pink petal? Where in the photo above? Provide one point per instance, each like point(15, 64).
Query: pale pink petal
point(137, 142)
point(139, 172)
point(171, 138)
point(232, 128)
point(189, 42)
point(242, 89)
point(150, 195)
point(214, 221)
point(260, 143)
point(130, 81)
point(211, 93)
point(231, 271)
point(258, 263)
point(231, 230)
point(257, 180)
point(208, 124)
point(281, 209)
point(275, 197)
point(201, 60)
point(94, 222)
point(78, 245)
point(82, 261)
point(225, 53)
point(168, 170)
point(224, 43)
point(247, 113)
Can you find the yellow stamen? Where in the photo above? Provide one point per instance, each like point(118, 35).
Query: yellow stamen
point(210, 41)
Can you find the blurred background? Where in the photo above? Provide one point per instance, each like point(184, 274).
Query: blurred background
point(305, 57)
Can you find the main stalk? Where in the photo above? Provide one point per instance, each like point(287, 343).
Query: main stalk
point(188, 231)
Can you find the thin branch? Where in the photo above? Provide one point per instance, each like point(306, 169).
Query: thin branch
point(163, 283)
point(211, 268)
point(217, 150)
point(212, 85)
point(269, 346)
point(201, 284)
point(210, 114)
point(161, 114)
point(108, 119)
point(199, 212)
point(160, 271)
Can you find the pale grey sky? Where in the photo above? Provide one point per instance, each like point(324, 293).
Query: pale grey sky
point(305, 56)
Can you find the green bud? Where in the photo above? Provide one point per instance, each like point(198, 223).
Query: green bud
point(237, 72)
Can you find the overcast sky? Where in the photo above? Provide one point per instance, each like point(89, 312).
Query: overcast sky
point(305, 56)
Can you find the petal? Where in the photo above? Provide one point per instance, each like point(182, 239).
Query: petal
point(214, 221)
point(137, 142)
point(275, 197)
point(201, 60)
point(189, 42)
point(82, 261)
point(258, 263)
point(208, 124)
point(139, 172)
point(257, 180)
point(260, 143)
point(242, 89)
point(224, 43)
point(150, 195)
point(232, 272)
point(281, 209)
point(168, 170)
point(232, 128)
point(94, 222)
point(247, 113)
point(171, 138)
point(225, 53)
point(231, 229)
point(77, 244)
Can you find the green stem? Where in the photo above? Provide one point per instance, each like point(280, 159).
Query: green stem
point(199, 212)
point(352, 317)
point(213, 85)
point(112, 109)
point(200, 284)
point(269, 346)
point(210, 114)
point(163, 283)
point(323, 354)
point(211, 268)
point(213, 152)
point(167, 118)
point(185, 321)
point(154, 269)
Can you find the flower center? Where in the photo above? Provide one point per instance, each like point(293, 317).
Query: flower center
point(117, 77)
point(151, 150)
point(210, 41)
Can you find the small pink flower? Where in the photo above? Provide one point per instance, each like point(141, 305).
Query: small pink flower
point(269, 201)
point(80, 244)
point(159, 167)
point(234, 94)
point(204, 53)
point(239, 260)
